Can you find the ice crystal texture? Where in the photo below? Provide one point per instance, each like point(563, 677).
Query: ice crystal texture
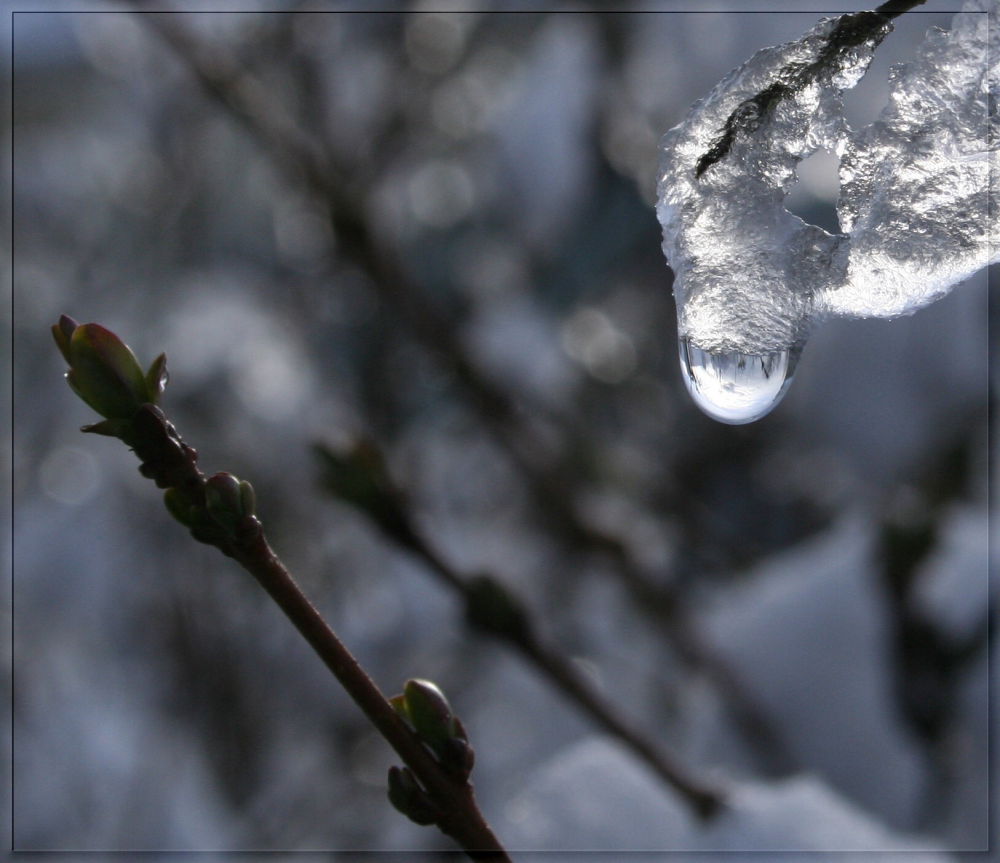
point(915, 185)
point(751, 279)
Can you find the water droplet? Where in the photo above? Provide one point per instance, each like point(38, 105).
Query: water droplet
point(737, 388)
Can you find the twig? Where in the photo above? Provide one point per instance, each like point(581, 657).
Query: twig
point(459, 815)
point(300, 160)
point(929, 660)
point(220, 511)
point(359, 477)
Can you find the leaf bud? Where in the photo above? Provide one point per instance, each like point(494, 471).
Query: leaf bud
point(429, 713)
point(103, 370)
point(225, 497)
point(409, 798)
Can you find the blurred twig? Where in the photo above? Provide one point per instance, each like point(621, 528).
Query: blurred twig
point(929, 658)
point(303, 162)
point(358, 476)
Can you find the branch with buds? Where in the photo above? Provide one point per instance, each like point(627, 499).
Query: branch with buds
point(433, 787)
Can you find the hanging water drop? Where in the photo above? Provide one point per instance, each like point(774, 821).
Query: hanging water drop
point(733, 387)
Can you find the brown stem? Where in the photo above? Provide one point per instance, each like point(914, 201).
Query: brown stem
point(463, 820)
point(172, 464)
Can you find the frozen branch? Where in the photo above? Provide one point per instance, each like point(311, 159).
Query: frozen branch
point(752, 280)
point(850, 33)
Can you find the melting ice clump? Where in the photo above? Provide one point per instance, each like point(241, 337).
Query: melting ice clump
point(751, 279)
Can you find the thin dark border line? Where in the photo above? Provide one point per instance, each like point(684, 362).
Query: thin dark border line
point(175, 11)
point(420, 853)
point(13, 663)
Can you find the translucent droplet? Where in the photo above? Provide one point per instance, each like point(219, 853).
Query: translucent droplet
point(737, 388)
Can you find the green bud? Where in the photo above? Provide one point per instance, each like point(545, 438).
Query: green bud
point(224, 498)
point(103, 370)
point(426, 710)
point(429, 713)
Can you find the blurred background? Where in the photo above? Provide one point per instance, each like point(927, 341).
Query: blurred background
point(435, 229)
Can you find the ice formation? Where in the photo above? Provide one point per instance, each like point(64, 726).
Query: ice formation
point(751, 279)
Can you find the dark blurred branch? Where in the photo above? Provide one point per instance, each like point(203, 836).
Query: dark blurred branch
point(220, 511)
point(358, 476)
point(928, 660)
point(550, 484)
point(851, 31)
